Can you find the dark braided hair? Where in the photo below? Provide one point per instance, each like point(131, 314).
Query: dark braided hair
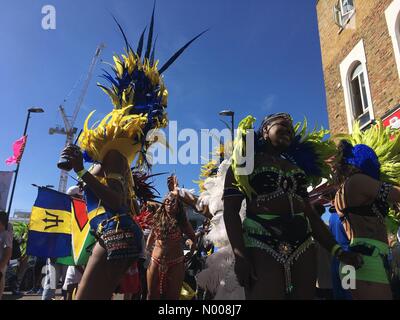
point(260, 142)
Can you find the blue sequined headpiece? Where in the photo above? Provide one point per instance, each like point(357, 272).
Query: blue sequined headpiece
point(364, 158)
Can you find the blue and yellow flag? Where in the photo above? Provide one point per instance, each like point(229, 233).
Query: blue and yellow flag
point(50, 225)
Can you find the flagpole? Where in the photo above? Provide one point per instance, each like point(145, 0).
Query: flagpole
point(34, 110)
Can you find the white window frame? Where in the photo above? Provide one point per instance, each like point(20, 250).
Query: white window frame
point(392, 14)
point(341, 18)
point(348, 13)
point(353, 76)
point(357, 55)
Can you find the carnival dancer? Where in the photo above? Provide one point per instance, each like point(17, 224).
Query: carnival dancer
point(218, 279)
point(139, 97)
point(368, 171)
point(165, 273)
point(274, 247)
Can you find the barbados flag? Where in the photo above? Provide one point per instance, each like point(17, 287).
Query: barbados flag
point(49, 233)
point(60, 228)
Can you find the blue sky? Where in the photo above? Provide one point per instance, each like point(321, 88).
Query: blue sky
point(259, 57)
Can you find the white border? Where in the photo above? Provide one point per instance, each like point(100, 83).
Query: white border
point(392, 14)
point(346, 66)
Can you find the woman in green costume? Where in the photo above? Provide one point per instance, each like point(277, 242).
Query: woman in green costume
point(274, 248)
point(368, 170)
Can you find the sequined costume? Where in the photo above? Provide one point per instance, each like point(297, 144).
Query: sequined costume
point(174, 235)
point(284, 237)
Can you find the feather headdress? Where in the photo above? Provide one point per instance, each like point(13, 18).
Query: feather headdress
point(375, 151)
point(139, 96)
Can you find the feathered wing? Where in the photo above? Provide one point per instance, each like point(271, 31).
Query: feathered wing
point(311, 151)
point(219, 277)
point(239, 150)
point(144, 187)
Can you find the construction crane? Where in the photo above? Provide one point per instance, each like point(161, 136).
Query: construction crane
point(69, 130)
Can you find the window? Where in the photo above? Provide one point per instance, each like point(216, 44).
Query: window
point(355, 83)
point(346, 7)
point(343, 11)
point(359, 98)
point(392, 14)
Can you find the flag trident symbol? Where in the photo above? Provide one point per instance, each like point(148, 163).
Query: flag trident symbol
point(56, 221)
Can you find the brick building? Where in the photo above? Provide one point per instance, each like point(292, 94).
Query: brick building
point(360, 46)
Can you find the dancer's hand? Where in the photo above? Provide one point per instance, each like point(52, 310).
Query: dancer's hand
point(245, 272)
point(351, 258)
point(74, 155)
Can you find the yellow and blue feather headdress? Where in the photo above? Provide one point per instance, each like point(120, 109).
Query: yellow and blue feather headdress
point(139, 96)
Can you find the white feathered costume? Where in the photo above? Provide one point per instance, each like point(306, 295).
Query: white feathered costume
point(219, 277)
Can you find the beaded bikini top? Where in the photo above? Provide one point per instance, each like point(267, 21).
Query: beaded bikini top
point(271, 183)
point(174, 233)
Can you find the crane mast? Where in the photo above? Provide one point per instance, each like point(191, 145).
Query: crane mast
point(69, 130)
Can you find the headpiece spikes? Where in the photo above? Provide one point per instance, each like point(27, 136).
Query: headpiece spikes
point(179, 52)
point(127, 45)
point(150, 36)
point(140, 45)
point(152, 56)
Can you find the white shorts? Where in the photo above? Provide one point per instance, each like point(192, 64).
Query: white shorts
point(73, 276)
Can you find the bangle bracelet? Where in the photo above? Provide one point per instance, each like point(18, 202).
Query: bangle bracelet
point(81, 173)
point(335, 248)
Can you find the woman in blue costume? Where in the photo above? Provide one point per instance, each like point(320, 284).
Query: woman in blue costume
point(139, 97)
point(273, 248)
